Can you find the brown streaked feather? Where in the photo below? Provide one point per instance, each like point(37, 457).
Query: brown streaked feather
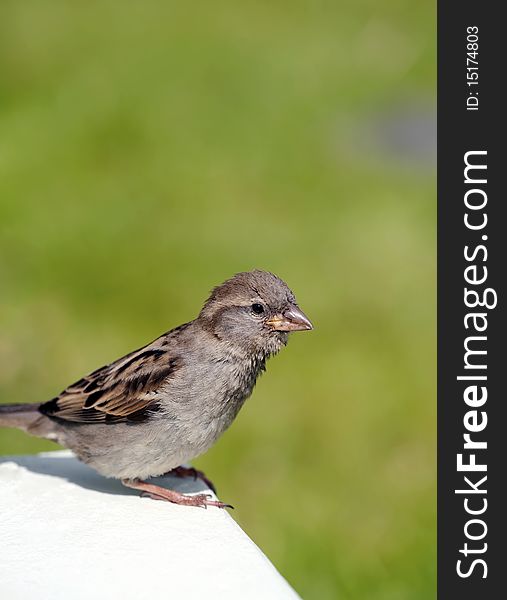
point(126, 390)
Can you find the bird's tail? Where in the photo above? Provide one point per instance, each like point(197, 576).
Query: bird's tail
point(19, 415)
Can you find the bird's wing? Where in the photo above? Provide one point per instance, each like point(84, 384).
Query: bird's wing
point(126, 390)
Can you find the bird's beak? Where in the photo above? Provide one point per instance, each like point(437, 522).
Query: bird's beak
point(292, 319)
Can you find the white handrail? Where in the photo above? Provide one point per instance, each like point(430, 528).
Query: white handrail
point(66, 533)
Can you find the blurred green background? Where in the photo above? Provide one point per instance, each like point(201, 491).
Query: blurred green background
point(150, 150)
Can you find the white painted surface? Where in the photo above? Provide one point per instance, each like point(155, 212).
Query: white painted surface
point(66, 533)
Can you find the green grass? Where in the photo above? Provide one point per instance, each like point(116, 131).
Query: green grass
point(149, 151)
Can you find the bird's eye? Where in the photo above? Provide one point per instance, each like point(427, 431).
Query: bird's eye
point(257, 309)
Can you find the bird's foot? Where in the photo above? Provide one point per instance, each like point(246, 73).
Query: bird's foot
point(194, 473)
point(159, 493)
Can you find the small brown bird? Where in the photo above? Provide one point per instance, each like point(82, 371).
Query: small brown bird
point(158, 407)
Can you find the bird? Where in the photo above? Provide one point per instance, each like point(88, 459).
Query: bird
point(155, 409)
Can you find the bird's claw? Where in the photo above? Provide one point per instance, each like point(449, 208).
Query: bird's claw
point(192, 472)
point(205, 500)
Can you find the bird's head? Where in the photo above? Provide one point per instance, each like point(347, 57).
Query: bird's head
point(254, 311)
